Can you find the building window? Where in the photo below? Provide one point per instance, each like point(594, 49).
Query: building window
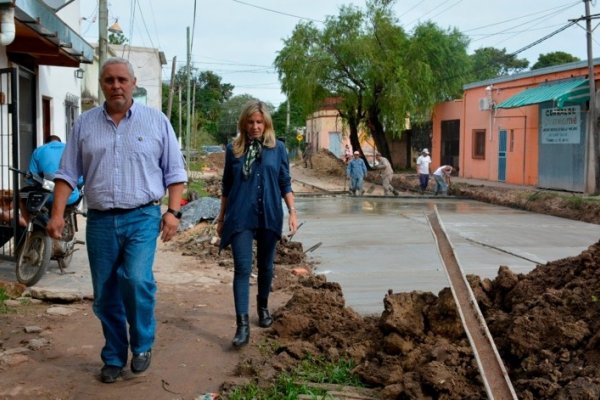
point(479, 144)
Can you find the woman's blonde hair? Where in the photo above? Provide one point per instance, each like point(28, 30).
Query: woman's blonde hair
point(241, 140)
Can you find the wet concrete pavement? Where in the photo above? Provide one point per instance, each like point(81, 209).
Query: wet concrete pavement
point(370, 245)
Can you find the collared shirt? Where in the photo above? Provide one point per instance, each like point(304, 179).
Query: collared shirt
point(123, 166)
point(356, 168)
point(45, 161)
point(255, 202)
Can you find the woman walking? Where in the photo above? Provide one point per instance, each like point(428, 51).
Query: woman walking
point(255, 179)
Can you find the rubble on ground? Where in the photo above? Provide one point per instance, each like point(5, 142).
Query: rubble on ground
point(545, 324)
point(194, 212)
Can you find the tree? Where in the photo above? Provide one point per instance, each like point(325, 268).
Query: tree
point(380, 73)
point(554, 58)
point(228, 117)
point(209, 94)
point(489, 62)
point(117, 38)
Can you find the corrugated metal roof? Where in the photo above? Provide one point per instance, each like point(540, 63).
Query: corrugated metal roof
point(567, 91)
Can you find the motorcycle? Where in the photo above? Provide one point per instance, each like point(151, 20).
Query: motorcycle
point(36, 248)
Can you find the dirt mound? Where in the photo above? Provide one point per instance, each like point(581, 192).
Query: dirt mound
point(545, 324)
point(539, 201)
point(326, 163)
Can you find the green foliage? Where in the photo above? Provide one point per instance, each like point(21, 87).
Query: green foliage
point(553, 58)
point(489, 62)
point(380, 73)
point(228, 117)
point(117, 38)
point(575, 202)
point(3, 298)
point(208, 92)
point(322, 371)
point(291, 385)
point(197, 186)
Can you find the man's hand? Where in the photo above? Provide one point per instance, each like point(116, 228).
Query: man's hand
point(55, 227)
point(168, 226)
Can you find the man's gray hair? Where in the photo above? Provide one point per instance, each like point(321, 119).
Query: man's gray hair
point(118, 60)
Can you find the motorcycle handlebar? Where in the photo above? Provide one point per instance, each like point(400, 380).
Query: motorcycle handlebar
point(28, 175)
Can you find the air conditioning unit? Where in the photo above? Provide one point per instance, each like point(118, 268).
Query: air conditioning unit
point(485, 103)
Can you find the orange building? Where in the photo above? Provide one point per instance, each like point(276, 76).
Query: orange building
point(527, 128)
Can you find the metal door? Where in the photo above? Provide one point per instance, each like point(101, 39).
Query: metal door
point(335, 140)
point(9, 157)
point(502, 155)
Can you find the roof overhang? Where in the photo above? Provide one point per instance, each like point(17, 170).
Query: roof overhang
point(561, 92)
point(42, 36)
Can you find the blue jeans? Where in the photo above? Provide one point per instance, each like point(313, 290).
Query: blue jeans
point(441, 187)
point(121, 247)
point(423, 181)
point(356, 184)
point(241, 247)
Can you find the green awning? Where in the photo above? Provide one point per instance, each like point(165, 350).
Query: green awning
point(562, 92)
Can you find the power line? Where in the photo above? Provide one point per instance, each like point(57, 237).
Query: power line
point(543, 38)
point(278, 12)
point(537, 13)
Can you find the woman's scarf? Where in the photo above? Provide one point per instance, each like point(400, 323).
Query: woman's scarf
point(252, 154)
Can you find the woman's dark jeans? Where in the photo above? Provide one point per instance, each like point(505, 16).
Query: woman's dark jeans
point(241, 246)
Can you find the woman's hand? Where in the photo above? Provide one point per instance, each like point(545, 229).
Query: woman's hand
point(293, 221)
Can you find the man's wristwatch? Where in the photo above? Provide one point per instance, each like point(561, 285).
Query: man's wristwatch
point(176, 213)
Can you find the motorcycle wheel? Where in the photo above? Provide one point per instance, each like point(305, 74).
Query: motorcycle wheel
point(34, 257)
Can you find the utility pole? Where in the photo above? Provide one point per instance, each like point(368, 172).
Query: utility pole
point(172, 89)
point(287, 115)
point(102, 41)
point(592, 162)
point(189, 100)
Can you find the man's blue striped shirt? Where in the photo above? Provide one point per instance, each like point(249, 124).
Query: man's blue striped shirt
point(123, 166)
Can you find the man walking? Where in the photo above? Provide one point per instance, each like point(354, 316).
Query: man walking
point(128, 155)
point(423, 162)
point(356, 171)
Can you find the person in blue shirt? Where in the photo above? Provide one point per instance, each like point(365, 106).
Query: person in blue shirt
point(356, 171)
point(45, 161)
point(256, 177)
point(129, 157)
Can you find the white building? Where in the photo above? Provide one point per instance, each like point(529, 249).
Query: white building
point(40, 52)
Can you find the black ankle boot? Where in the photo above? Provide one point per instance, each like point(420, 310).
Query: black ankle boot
point(264, 317)
point(242, 332)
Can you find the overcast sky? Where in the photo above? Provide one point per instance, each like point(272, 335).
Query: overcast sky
point(239, 40)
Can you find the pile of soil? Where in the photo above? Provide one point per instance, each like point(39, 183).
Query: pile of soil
point(545, 324)
point(202, 243)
